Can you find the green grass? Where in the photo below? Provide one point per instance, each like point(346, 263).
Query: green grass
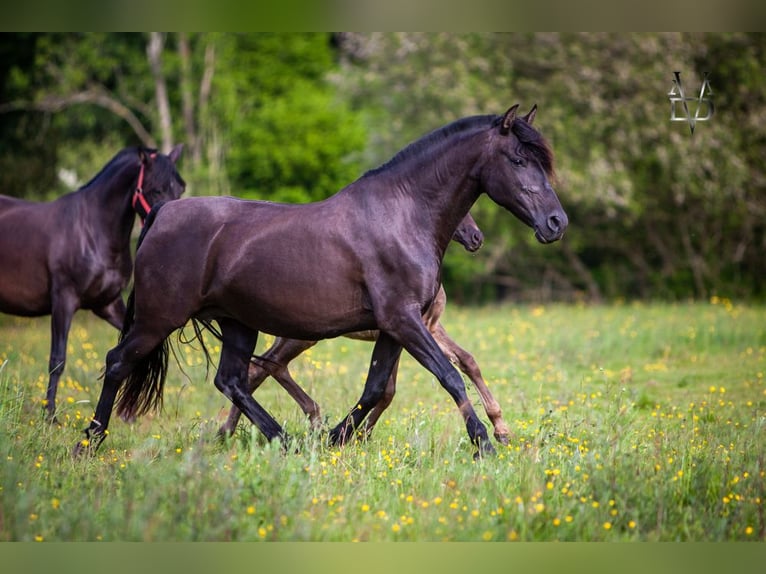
point(630, 423)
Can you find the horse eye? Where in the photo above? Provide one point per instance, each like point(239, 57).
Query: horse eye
point(517, 162)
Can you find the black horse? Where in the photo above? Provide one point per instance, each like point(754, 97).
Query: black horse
point(74, 252)
point(274, 362)
point(369, 257)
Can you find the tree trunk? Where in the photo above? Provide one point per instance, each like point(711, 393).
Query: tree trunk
point(187, 100)
point(154, 54)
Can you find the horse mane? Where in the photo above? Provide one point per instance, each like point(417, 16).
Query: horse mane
point(117, 163)
point(420, 146)
point(531, 142)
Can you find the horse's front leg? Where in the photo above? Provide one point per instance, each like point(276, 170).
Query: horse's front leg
point(419, 342)
point(63, 308)
point(385, 356)
point(466, 363)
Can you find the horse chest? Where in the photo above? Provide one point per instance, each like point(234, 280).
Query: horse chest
point(114, 275)
point(101, 275)
point(107, 283)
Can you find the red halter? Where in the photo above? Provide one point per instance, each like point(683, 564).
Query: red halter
point(143, 208)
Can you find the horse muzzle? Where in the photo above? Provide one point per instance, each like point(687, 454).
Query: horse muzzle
point(475, 243)
point(553, 229)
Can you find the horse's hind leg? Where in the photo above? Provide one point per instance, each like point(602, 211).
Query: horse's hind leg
point(115, 373)
point(274, 363)
point(135, 347)
point(231, 378)
point(468, 365)
point(308, 405)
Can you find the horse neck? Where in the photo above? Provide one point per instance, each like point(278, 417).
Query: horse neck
point(109, 200)
point(443, 182)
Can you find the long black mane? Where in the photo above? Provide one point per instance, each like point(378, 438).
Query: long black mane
point(427, 142)
point(127, 157)
point(531, 142)
point(116, 164)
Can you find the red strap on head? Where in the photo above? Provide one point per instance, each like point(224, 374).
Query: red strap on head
point(138, 195)
point(143, 208)
point(140, 182)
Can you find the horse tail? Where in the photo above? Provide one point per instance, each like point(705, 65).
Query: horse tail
point(142, 390)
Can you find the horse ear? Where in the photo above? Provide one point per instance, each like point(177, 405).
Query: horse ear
point(175, 153)
point(146, 155)
point(508, 118)
point(530, 117)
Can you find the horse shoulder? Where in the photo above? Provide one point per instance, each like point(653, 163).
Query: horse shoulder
point(89, 259)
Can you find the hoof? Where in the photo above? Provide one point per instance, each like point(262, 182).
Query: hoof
point(333, 437)
point(287, 442)
point(88, 446)
point(503, 439)
point(82, 448)
point(341, 434)
point(223, 434)
point(485, 450)
point(49, 414)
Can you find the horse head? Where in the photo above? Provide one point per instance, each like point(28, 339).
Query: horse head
point(158, 179)
point(515, 174)
point(468, 234)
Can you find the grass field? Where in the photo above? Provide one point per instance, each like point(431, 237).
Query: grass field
point(630, 422)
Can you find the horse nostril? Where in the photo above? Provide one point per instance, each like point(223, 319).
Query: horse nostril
point(478, 238)
point(555, 223)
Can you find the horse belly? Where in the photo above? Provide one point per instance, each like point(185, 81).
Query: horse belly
point(24, 303)
point(24, 280)
point(301, 308)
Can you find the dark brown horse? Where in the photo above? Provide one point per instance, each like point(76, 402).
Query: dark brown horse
point(74, 252)
point(369, 257)
point(274, 362)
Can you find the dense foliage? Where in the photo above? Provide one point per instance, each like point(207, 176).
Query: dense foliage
point(655, 211)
